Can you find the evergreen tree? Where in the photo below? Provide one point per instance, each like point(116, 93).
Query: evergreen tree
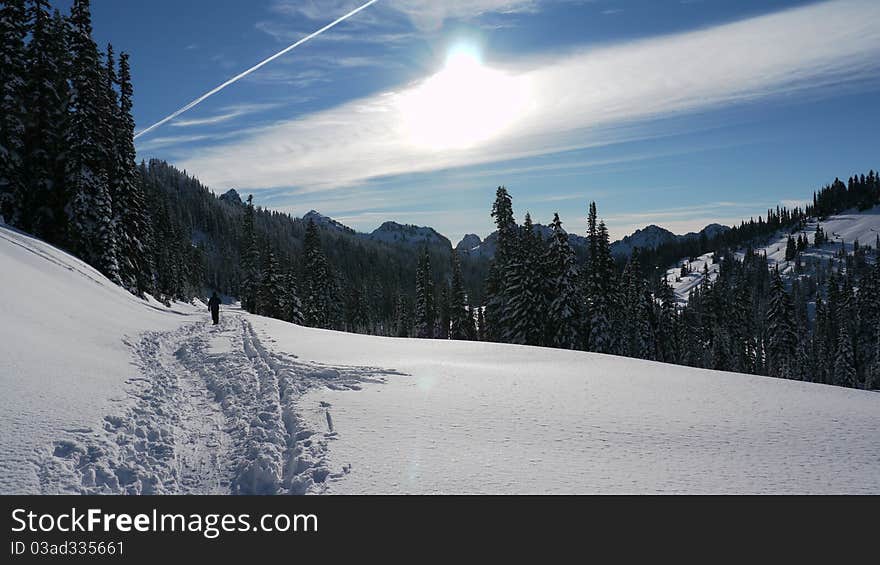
point(91, 209)
point(458, 312)
point(403, 323)
point(470, 325)
point(632, 312)
point(424, 314)
point(844, 359)
point(524, 314)
point(319, 285)
point(782, 338)
point(292, 303)
point(481, 326)
point(599, 285)
point(42, 198)
point(271, 292)
point(249, 260)
point(666, 342)
point(563, 298)
point(444, 317)
point(496, 285)
point(135, 232)
point(13, 30)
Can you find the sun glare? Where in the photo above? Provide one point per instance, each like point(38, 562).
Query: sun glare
point(463, 105)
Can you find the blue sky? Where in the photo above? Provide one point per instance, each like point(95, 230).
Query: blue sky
point(674, 112)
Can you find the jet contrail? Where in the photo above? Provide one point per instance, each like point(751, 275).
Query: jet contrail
point(238, 77)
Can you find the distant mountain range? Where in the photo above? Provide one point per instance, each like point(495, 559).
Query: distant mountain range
point(650, 237)
point(389, 232)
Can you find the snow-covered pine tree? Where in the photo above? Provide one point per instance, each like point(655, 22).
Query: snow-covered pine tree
point(496, 282)
point(818, 345)
point(249, 259)
point(13, 30)
point(599, 286)
point(666, 342)
point(563, 298)
point(135, 233)
point(470, 328)
point(481, 325)
point(292, 303)
point(524, 313)
point(318, 308)
point(790, 249)
point(844, 359)
point(443, 315)
point(403, 322)
point(271, 293)
point(424, 314)
point(42, 199)
point(91, 210)
point(629, 311)
point(781, 335)
point(458, 312)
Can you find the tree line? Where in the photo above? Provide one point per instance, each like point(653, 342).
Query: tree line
point(67, 157)
point(820, 322)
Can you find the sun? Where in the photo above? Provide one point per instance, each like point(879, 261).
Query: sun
point(464, 105)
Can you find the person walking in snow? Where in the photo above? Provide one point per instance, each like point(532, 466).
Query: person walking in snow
point(214, 307)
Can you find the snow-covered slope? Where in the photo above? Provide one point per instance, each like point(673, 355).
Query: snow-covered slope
point(63, 360)
point(842, 229)
point(489, 418)
point(106, 393)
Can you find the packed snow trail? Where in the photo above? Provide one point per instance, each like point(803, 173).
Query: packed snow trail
point(213, 412)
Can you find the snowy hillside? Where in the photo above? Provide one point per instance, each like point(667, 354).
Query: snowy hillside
point(842, 229)
point(64, 360)
point(107, 393)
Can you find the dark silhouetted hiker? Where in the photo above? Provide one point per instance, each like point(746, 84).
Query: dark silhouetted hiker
point(214, 306)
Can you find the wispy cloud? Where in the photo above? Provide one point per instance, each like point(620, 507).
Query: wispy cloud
point(430, 14)
point(168, 141)
point(227, 114)
point(573, 99)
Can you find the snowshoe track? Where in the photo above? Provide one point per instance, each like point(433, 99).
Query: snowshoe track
point(214, 412)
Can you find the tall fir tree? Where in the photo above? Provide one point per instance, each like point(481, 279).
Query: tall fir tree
point(524, 318)
point(13, 30)
point(600, 274)
point(403, 322)
point(458, 309)
point(249, 259)
point(782, 337)
point(844, 358)
point(496, 283)
point(319, 310)
point(444, 320)
point(481, 325)
point(292, 302)
point(424, 314)
point(135, 233)
point(271, 292)
point(90, 212)
point(563, 328)
point(42, 181)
